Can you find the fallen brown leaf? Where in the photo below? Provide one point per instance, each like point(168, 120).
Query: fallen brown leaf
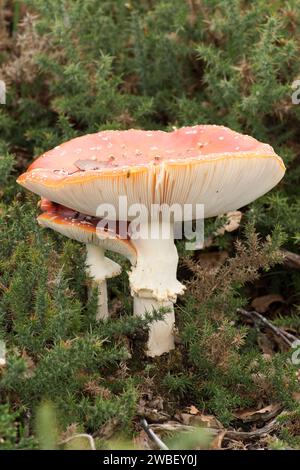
point(217, 441)
point(264, 414)
point(192, 410)
point(185, 418)
point(208, 421)
point(198, 419)
point(261, 304)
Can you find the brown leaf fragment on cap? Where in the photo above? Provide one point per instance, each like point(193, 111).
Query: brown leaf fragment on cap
point(87, 165)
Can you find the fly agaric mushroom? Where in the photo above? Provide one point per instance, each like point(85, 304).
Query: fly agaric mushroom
point(83, 229)
point(205, 164)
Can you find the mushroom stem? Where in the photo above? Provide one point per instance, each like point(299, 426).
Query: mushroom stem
point(100, 268)
point(161, 332)
point(102, 308)
point(153, 281)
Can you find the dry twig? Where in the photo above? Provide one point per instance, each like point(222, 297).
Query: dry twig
point(260, 320)
point(160, 444)
point(270, 427)
point(291, 260)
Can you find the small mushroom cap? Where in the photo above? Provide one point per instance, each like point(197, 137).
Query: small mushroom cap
point(205, 164)
point(84, 230)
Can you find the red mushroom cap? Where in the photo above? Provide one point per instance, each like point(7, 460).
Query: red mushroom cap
point(206, 164)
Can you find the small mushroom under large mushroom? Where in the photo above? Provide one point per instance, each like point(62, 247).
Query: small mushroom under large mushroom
point(84, 229)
